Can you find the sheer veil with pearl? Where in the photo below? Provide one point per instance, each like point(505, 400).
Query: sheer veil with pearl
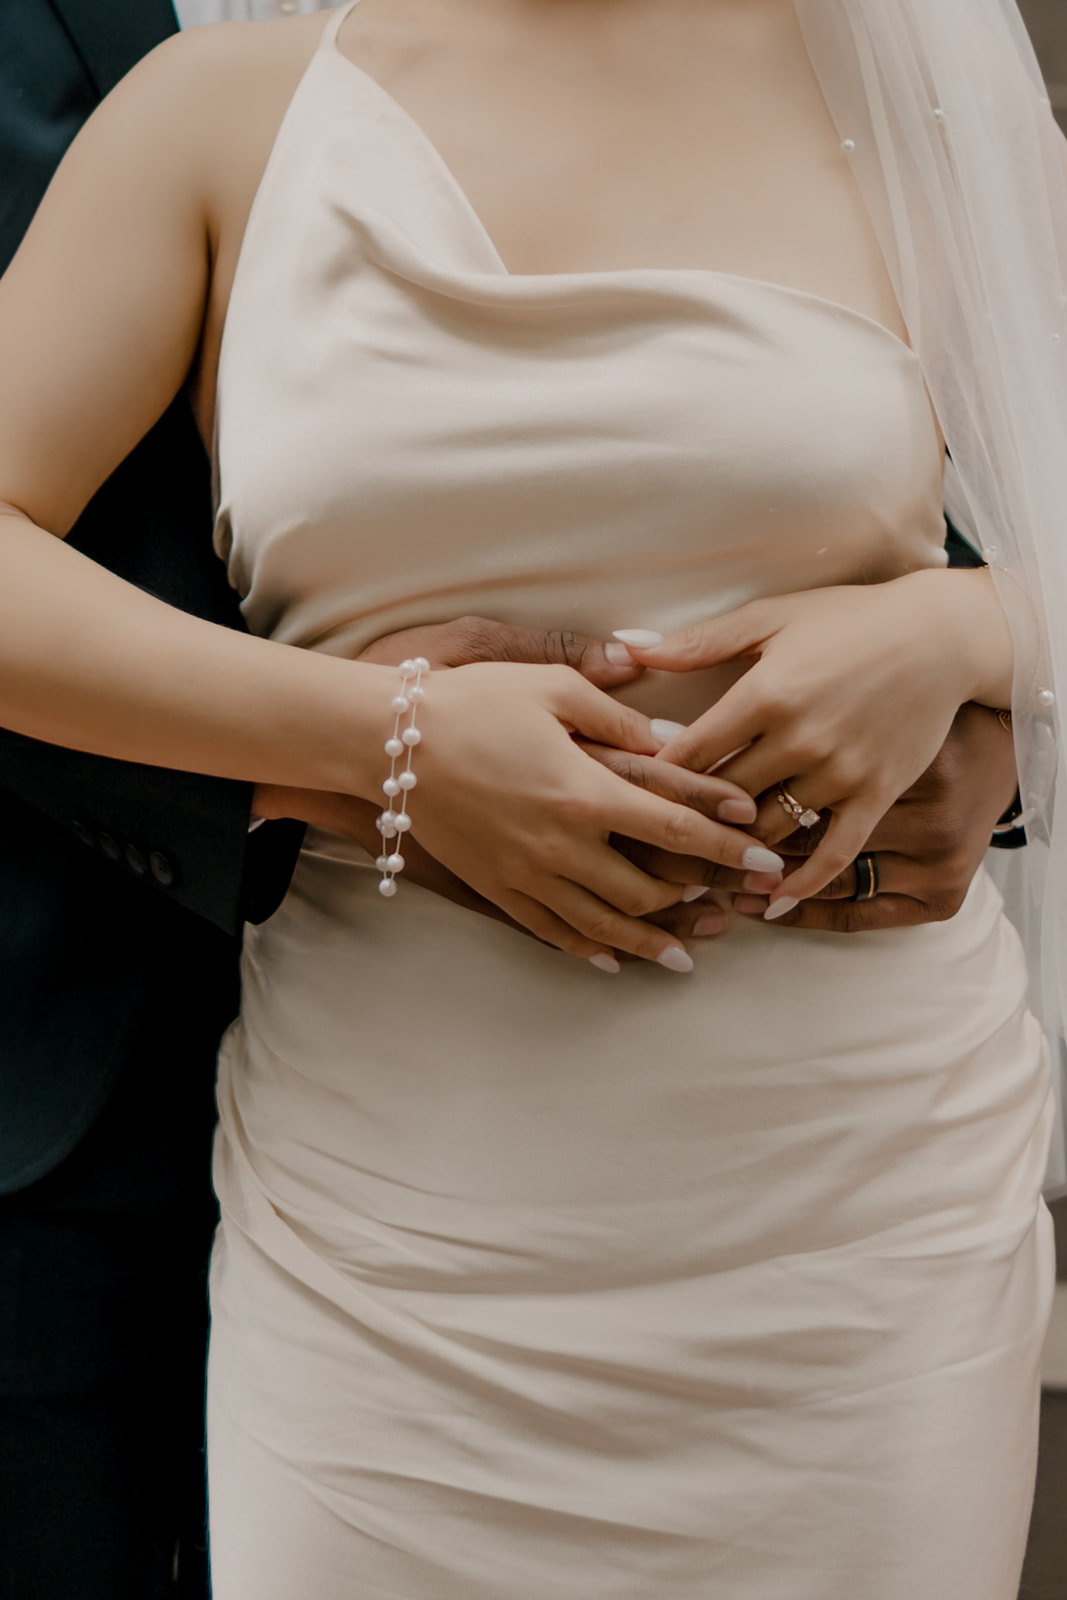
point(942, 109)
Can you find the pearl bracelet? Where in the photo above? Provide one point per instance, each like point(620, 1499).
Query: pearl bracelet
point(391, 822)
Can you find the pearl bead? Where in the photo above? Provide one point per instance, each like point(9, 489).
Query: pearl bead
point(416, 695)
point(400, 703)
point(410, 736)
point(392, 786)
point(406, 780)
point(380, 863)
point(848, 145)
point(402, 823)
point(394, 748)
point(394, 863)
point(387, 887)
point(408, 668)
point(939, 114)
point(1046, 698)
point(388, 830)
point(421, 664)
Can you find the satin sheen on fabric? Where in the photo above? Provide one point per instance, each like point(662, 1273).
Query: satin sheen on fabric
point(531, 1282)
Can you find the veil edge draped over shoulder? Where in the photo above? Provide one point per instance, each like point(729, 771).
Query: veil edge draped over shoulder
point(941, 107)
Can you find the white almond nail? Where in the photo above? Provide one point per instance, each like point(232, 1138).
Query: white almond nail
point(643, 638)
point(665, 731)
point(604, 963)
point(695, 891)
point(779, 908)
point(676, 959)
point(757, 859)
point(617, 655)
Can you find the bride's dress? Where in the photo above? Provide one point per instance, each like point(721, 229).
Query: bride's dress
point(535, 1284)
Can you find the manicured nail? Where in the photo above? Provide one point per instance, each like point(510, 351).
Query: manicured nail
point(761, 882)
point(677, 959)
point(618, 656)
point(694, 891)
point(779, 908)
point(641, 638)
point(736, 811)
point(604, 963)
point(665, 731)
point(711, 923)
point(756, 859)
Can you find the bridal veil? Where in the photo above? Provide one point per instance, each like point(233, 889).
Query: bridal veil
point(941, 107)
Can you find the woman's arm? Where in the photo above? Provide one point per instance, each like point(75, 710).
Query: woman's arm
point(101, 318)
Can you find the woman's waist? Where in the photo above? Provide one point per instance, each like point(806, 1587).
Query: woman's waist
point(448, 990)
point(460, 1088)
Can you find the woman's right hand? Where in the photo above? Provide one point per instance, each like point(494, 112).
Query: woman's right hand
point(512, 805)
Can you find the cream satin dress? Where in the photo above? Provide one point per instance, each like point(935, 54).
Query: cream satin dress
point(533, 1283)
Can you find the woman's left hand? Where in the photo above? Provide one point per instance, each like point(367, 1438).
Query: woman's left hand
point(851, 695)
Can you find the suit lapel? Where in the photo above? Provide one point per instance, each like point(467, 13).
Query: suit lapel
point(112, 35)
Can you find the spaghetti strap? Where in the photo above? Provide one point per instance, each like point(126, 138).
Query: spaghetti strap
point(328, 37)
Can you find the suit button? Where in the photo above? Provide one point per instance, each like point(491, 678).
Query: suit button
point(135, 860)
point(85, 833)
point(163, 869)
point(110, 847)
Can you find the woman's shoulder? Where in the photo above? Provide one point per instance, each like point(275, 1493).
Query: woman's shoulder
point(192, 124)
point(225, 69)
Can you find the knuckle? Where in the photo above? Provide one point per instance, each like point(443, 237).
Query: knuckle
point(562, 681)
point(846, 775)
point(634, 902)
point(601, 926)
point(688, 645)
point(554, 647)
point(474, 639)
point(570, 647)
point(678, 831)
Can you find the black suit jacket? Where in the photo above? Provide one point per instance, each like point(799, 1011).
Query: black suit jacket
point(123, 888)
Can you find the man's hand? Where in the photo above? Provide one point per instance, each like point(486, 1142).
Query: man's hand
point(472, 639)
point(928, 847)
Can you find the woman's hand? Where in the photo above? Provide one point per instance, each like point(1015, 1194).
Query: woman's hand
point(850, 697)
point(510, 803)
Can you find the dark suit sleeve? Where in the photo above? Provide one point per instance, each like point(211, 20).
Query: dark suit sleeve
point(960, 553)
point(186, 836)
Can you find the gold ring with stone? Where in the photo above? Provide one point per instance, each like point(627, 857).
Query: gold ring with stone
point(802, 815)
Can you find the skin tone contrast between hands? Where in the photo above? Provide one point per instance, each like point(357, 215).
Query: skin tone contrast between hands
point(930, 843)
point(851, 695)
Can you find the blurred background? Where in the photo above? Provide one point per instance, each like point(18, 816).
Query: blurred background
point(1047, 21)
point(1045, 1575)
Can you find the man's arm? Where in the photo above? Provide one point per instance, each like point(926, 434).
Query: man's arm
point(184, 835)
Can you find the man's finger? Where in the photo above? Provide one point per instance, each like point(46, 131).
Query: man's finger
point(469, 640)
point(895, 875)
point(844, 916)
point(693, 871)
point(705, 919)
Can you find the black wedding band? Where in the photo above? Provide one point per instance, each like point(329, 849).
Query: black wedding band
point(866, 878)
